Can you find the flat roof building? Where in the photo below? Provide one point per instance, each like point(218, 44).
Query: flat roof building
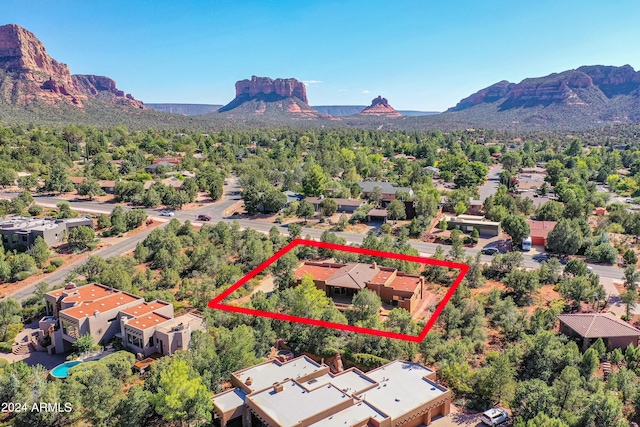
point(302, 393)
point(104, 313)
point(467, 223)
point(21, 232)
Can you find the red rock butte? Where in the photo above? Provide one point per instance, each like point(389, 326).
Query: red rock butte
point(380, 107)
point(36, 75)
point(285, 88)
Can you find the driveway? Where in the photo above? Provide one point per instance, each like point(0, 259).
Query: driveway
point(457, 419)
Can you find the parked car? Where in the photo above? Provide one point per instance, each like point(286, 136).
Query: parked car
point(203, 217)
point(490, 251)
point(494, 417)
point(167, 213)
point(628, 200)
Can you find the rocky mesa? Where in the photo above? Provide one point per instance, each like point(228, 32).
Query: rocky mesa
point(28, 74)
point(264, 96)
point(380, 107)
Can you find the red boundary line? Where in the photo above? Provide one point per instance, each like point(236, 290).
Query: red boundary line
point(216, 303)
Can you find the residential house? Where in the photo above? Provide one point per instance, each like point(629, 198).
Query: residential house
point(539, 231)
point(105, 313)
point(466, 223)
point(389, 190)
point(21, 232)
point(377, 215)
point(344, 205)
point(588, 327)
point(303, 393)
point(392, 286)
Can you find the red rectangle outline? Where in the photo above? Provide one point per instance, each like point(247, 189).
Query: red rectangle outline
point(216, 303)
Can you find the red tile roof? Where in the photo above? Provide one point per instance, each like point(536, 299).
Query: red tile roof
point(101, 305)
point(540, 228)
point(83, 293)
point(405, 283)
point(319, 272)
point(144, 308)
point(147, 321)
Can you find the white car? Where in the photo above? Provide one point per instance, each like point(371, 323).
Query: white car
point(167, 213)
point(494, 417)
point(628, 200)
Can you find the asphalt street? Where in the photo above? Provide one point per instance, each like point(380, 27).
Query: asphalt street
point(217, 213)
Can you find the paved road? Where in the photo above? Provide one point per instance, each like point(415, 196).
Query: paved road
point(490, 187)
point(217, 212)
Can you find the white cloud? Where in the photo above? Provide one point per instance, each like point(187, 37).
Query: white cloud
point(342, 90)
point(312, 82)
point(365, 91)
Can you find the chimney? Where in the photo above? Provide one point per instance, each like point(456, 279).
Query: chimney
point(249, 381)
point(277, 388)
point(374, 265)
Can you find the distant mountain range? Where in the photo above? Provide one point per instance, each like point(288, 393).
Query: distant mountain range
point(588, 96)
point(36, 88)
point(331, 110)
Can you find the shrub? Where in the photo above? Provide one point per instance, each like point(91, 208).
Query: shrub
point(50, 268)
point(35, 210)
point(6, 347)
point(22, 275)
point(104, 221)
point(368, 361)
point(57, 262)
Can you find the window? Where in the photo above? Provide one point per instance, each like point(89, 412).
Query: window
point(70, 328)
point(134, 340)
point(151, 341)
point(24, 238)
point(14, 238)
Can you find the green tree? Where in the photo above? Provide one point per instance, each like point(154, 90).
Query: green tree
point(27, 182)
point(396, 210)
point(516, 227)
point(180, 395)
point(274, 200)
point(590, 362)
point(305, 210)
point(576, 267)
point(151, 198)
point(135, 410)
point(83, 343)
point(565, 238)
point(496, 381)
point(314, 181)
point(118, 221)
point(81, 238)
point(531, 398)
point(328, 207)
point(460, 208)
point(550, 211)
point(65, 210)
point(39, 251)
point(252, 199)
point(541, 420)
point(522, 284)
point(90, 187)
point(58, 180)
point(9, 310)
point(7, 177)
point(365, 308)
point(630, 257)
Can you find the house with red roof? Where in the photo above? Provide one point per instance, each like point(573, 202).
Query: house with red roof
point(392, 286)
point(104, 313)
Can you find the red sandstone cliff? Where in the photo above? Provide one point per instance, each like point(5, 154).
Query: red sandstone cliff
point(264, 96)
point(28, 74)
point(380, 107)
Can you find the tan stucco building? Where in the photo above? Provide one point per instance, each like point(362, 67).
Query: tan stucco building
point(301, 393)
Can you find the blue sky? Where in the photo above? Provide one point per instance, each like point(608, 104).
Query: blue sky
point(423, 55)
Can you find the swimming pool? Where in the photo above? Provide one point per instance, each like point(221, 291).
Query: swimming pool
point(60, 371)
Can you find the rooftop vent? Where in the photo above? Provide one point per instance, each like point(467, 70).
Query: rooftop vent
point(277, 388)
point(249, 381)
